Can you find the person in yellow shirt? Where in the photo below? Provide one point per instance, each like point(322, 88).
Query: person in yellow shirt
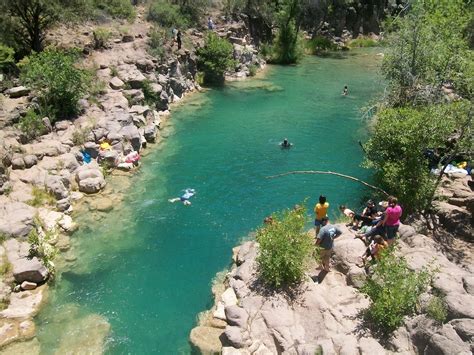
point(321, 211)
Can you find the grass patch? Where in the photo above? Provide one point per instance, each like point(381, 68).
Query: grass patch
point(41, 198)
point(363, 43)
point(436, 309)
point(319, 44)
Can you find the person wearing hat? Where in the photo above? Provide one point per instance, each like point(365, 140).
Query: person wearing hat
point(325, 239)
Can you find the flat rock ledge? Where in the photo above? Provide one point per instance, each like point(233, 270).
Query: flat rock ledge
point(324, 317)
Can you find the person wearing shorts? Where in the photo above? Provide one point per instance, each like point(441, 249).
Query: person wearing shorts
point(325, 239)
point(320, 211)
point(392, 219)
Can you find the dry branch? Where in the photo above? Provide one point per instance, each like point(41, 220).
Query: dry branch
point(329, 173)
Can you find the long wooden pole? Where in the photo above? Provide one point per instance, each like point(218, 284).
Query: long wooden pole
point(330, 173)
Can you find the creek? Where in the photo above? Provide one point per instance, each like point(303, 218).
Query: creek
point(147, 266)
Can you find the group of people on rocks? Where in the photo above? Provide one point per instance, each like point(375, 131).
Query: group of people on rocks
point(377, 228)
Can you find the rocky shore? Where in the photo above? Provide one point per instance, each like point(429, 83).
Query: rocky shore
point(325, 317)
point(43, 180)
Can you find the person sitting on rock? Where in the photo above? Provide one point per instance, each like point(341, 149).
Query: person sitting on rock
point(378, 229)
point(285, 143)
point(184, 198)
point(374, 250)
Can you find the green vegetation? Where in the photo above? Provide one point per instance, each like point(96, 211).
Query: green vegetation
point(40, 247)
point(215, 58)
point(116, 8)
point(57, 81)
point(427, 49)
point(156, 43)
point(41, 198)
point(319, 44)
point(79, 136)
point(7, 59)
point(363, 42)
point(177, 13)
point(150, 96)
point(285, 248)
point(287, 48)
point(31, 125)
point(394, 290)
point(101, 37)
point(436, 309)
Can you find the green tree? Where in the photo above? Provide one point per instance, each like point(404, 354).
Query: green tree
point(57, 81)
point(400, 139)
point(29, 20)
point(7, 60)
point(426, 49)
point(285, 248)
point(215, 58)
point(288, 46)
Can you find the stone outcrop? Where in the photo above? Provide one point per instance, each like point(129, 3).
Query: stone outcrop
point(24, 267)
point(325, 316)
point(16, 219)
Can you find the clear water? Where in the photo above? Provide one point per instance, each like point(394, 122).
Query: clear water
point(147, 266)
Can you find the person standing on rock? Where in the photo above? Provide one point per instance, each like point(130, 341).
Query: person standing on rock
point(391, 219)
point(320, 211)
point(325, 240)
point(178, 39)
point(210, 24)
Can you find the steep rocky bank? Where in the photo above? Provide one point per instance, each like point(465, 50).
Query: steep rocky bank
point(325, 317)
point(42, 181)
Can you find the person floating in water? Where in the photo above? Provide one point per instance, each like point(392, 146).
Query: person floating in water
point(184, 198)
point(345, 92)
point(285, 143)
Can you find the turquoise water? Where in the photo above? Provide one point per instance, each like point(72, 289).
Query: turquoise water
point(147, 266)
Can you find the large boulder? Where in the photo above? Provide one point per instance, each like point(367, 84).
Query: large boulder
point(150, 133)
point(24, 268)
point(132, 134)
point(16, 219)
point(131, 75)
point(55, 185)
point(90, 178)
point(207, 339)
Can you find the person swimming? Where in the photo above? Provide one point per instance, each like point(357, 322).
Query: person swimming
point(184, 198)
point(345, 92)
point(285, 143)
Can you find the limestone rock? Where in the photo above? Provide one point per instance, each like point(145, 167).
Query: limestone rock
point(30, 160)
point(446, 341)
point(18, 162)
point(55, 185)
point(16, 219)
point(465, 329)
point(370, 346)
point(219, 313)
point(131, 75)
point(229, 298)
point(132, 134)
point(150, 133)
point(460, 305)
point(235, 337)
point(236, 316)
point(17, 92)
point(90, 178)
point(116, 84)
point(23, 267)
point(26, 285)
point(207, 339)
point(24, 304)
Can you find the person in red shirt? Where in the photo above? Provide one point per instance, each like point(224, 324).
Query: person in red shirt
point(391, 222)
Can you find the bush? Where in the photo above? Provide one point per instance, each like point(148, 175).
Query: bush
point(101, 37)
point(150, 97)
point(215, 58)
point(7, 60)
point(32, 125)
point(320, 44)
point(117, 8)
point(41, 198)
point(363, 43)
point(59, 84)
point(166, 15)
point(156, 43)
point(436, 309)
point(79, 136)
point(253, 70)
point(285, 248)
point(394, 290)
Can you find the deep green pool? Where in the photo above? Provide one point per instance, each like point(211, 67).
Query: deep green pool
point(147, 266)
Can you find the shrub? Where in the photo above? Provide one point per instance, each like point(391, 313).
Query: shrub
point(156, 43)
point(7, 60)
point(59, 84)
point(394, 290)
point(150, 97)
point(436, 309)
point(117, 8)
point(363, 43)
point(31, 125)
point(41, 198)
point(319, 44)
point(215, 58)
point(101, 37)
point(253, 70)
point(285, 248)
point(79, 136)
point(166, 14)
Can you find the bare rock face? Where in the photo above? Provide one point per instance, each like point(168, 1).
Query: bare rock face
point(116, 84)
point(17, 91)
point(207, 339)
point(24, 268)
point(90, 178)
point(16, 219)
